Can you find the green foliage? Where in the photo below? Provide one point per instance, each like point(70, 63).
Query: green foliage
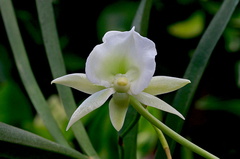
point(141, 19)
point(189, 28)
point(107, 138)
point(50, 38)
point(25, 71)
point(24, 141)
point(10, 108)
point(199, 61)
point(96, 137)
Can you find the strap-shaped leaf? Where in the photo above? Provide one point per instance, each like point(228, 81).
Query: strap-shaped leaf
point(51, 43)
point(141, 18)
point(19, 143)
point(25, 71)
point(198, 64)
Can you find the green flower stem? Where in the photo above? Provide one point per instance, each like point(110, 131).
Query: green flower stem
point(178, 138)
point(163, 141)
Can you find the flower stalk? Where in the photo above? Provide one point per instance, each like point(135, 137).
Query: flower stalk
point(175, 136)
point(163, 141)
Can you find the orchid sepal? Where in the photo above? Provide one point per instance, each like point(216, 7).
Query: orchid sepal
point(91, 103)
point(165, 84)
point(118, 106)
point(78, 81)
point(150, 100)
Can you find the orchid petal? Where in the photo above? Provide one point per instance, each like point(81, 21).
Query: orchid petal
point(118, 108)
point(165, 84)
point(155, 102)
point(78, 81)
point(122, 53)
point(91, 103)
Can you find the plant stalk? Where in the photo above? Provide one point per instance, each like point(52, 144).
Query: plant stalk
point(175, 136)
point(163, 141)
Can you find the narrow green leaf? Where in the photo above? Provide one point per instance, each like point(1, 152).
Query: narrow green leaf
point(142, 17)
point(134, 117)
point(186, 153)
point(25, 71)
point(198, 64)
point(53, 50)
point(128, 135)
point(16, 139)
point(129, 143)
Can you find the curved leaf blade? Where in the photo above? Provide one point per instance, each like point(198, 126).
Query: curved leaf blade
point(198, 64)
point(16, 139)
point(53, 50)
point(25, 71)
point(141, 18)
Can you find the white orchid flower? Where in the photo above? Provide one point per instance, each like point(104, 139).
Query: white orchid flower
point(122, 66)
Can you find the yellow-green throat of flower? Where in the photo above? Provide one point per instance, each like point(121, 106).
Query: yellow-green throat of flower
point(121, 84)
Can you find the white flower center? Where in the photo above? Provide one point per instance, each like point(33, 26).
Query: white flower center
point(121, 84)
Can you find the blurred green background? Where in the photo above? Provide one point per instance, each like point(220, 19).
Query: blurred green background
point(175, 26)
